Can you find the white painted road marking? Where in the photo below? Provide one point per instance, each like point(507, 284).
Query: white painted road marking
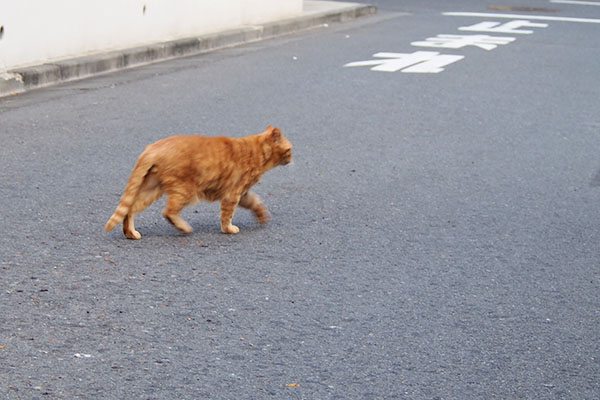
point(432, 62)
point(508, 27)
point(459, 41)
point(421, 62)
point(521, 16)
point(578, 3)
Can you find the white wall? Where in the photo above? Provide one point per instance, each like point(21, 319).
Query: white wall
point(39, 31)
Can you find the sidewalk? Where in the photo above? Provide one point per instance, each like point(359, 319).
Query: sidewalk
point(315, 14)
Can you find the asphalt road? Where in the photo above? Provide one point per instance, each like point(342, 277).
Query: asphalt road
point(436, 237)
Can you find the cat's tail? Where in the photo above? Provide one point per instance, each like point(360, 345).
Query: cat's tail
point(141, 169)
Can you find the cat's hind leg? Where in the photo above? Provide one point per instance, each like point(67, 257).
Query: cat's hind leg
point(148, 194)
point(252, 202)
point(175, 204)
point(129, 228)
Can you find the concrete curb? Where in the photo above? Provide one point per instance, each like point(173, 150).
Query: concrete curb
point(24, 79)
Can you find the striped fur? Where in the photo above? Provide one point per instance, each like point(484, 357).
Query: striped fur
point(130, 194)
point(192, 168)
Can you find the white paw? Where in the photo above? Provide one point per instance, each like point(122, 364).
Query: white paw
point(231, 229)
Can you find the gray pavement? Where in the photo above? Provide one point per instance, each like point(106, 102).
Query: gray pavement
point(436, 237)
point(315, 14)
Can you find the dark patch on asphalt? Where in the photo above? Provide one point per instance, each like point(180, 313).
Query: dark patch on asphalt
point(596, 179)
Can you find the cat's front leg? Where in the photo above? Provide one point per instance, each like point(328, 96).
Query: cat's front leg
point(228, 206)
point(252, 202)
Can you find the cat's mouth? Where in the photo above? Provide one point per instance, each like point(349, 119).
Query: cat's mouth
point(286, 157)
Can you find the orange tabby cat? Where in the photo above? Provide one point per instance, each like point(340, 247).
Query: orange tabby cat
point(193, 168)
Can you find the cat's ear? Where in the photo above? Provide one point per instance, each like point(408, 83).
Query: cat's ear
point(276, 134)
point(269, 130)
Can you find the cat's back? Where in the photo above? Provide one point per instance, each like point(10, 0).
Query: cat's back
point(188, 146)
point(182, 143)
point(196, 154)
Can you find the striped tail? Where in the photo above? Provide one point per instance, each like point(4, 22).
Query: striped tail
point(132, 189)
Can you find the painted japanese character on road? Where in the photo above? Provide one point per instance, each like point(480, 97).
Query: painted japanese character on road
point(418, 62)
point(511, 27)
point(485, 42)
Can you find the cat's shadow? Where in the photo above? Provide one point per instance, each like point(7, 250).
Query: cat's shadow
point(202, 232)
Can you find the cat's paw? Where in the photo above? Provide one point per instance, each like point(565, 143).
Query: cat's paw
point(263, 218)
point(179, 223)
point(135, 235)
point(187, 229)
point(231, 229)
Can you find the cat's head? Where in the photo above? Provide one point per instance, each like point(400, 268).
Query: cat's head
point(281, 147)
